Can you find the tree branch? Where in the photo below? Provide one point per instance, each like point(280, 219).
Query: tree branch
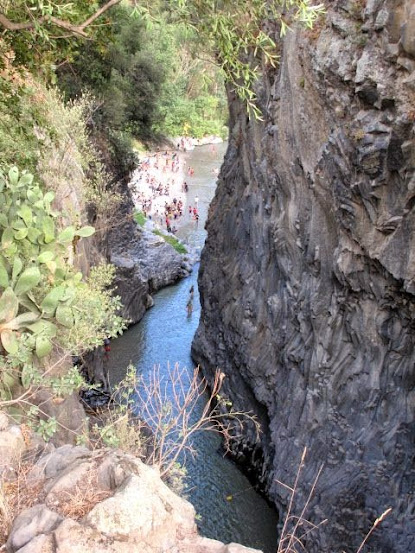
point(61, 23)
point(98, 13)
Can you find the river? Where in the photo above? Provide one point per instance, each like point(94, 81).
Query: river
point(228, 507)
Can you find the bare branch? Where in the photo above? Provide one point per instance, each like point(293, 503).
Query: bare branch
point(61, 23)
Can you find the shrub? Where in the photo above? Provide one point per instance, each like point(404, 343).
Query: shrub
point(156, 416)
point(44, 303)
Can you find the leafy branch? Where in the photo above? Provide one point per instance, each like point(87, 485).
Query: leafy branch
point(238, 34)
point(49, 19)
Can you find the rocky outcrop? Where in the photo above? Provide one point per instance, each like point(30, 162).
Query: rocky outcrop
point(144, 261)
point(308, 274)
point(105, 502)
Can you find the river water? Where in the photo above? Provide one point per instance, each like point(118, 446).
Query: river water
point(228, 507)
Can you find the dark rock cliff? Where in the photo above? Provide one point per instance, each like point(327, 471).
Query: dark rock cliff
point(308, 274)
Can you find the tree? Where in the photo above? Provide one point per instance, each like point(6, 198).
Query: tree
point(42, 34)
point(237, 33)
point(40, 15)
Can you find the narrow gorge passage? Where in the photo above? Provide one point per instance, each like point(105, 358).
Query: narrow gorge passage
point(164, 337)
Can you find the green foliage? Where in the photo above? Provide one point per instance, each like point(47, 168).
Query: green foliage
point(36, 129)
point(96, 316)
point(46, 428)
point(238, 36)
point(140, 218)
point(46, 43)
point(192, 96)
point(234, 32)
point(121, 74)
point(174, 242)
point(18, 143)
point(43, 301)
point(32, 258)
point(176, 480)
point(150, 81)
point(99, 194)
point(64, 385)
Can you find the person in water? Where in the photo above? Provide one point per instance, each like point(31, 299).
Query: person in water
point(189, 304)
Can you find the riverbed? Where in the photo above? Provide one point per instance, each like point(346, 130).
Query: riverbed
point(228, 507)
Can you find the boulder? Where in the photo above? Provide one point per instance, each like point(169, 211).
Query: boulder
point(31, 523)
point(12, 444)
point(106, 501)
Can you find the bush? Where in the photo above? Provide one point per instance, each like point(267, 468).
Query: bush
point(45, 307)
point(155, 417)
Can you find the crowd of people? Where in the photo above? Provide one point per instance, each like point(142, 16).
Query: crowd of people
point(159, 189)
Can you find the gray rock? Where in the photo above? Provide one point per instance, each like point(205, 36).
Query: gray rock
point(52, 464)
point(40, 544)
point(307, 281)
point(4, 421)
point(142, 514)
point(407, 63)
point(162, 514)
point(12, 446)
point(237, 548)
point(144, 261)
point(408, 32)
point(30, 524)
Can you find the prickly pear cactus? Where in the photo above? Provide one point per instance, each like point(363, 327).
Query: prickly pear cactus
point(37, 287)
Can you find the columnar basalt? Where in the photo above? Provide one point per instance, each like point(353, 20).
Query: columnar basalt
point(308, 273)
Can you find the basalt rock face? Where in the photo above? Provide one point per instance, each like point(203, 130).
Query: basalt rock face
point(307, 276)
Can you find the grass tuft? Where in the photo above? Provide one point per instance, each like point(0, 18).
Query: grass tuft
point(140, 218)
point(174, 242)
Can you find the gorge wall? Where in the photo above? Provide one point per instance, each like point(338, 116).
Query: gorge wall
point(308, 274)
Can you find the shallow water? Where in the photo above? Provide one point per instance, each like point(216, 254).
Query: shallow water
point(229, 508)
